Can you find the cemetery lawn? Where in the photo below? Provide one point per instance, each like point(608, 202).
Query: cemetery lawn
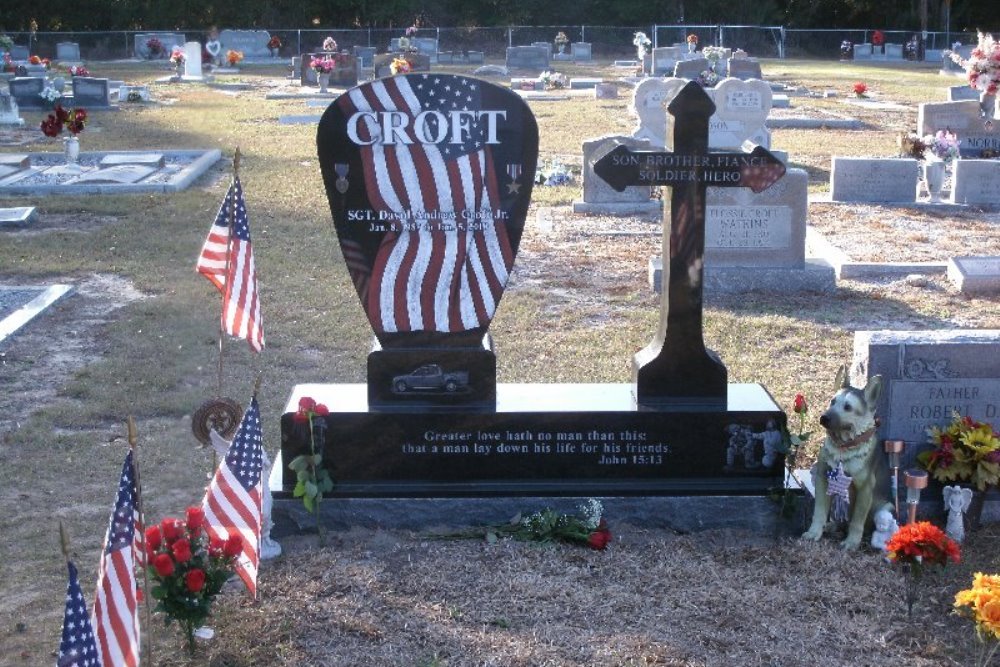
point(139, 337)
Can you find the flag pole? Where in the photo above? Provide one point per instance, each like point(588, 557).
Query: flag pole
point(133, 440)
point(229, 255)
point(64, 540)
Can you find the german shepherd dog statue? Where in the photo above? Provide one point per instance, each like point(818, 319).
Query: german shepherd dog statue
point(851, 437)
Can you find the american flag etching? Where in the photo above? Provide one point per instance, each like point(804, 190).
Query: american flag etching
point(444, 247)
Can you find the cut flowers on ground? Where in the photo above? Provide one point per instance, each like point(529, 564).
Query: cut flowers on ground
point(586, 528)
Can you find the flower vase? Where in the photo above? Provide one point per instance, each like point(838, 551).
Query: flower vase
point(562, 48)
point(987, 105)
point(974, 515)
point(934, 179)
point(71, 147)
point(691, 47)
point(324, 81)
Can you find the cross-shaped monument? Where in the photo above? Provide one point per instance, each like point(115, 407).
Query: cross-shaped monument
point(676, 369)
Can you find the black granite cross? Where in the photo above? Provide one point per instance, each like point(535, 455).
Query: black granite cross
point(676, 369)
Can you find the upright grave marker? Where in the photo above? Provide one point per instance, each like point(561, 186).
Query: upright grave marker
point(428, 180)
point(676, 367)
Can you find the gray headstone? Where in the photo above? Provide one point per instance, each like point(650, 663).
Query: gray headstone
point(665, 58)
point(975, 275)
point(595, 189)
point(445, 57)
point(959, 93)
point(894, 51)
point(528, 57)
point(743, 68)
point(364, 54)
point(928, 375)
point(18, 217)
point(148, 159)
point(476, 57)
point(863, 51)
point(253, 43)
point(581, 51)
point(68, 52)
point(583, 83)
point(874, 180)
point(606, 91)
point(544, 45)
point(26, 89)
point(649, 104)
point(168, 39)
point(19, 53)
point(426, 46)
point(9, 114)
point(125, 173)
point(91, 92)
point(949, 65)
point(690, 69)
point(976, 182)
point(965, 120)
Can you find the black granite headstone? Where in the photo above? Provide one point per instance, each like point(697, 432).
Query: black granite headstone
point(428, 179)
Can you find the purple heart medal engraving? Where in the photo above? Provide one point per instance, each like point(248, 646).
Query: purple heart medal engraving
point(429, 177)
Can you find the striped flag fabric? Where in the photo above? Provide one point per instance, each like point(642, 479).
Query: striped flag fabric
point(228, 263)
point(232, 503)
point(444, 263)
point(116, 609)
point(78, 647)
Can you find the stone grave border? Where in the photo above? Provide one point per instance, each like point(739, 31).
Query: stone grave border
point(202, 161)
point(27, 312)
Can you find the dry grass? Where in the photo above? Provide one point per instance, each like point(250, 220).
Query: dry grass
point(139, 337)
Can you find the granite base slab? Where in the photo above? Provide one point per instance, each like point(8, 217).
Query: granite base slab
point(540, 440)
point(816, 276)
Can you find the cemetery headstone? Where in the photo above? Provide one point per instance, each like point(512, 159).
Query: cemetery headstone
point(528, 57)
point(26, 92)
point(863, 52)
point(927, 376)
point(9, 114)
point(475, 57)
point(743, 68)
point(168, 40)
point(21, 216)
point(741, 112)
point(949, 65)
point(690, 69)
point(365, 55)
point(581, 51)
point(536, 439)
point(959, 93)
point(426, 46)
point(252, 43)
point(894, 51)
point(649, 104)
point(601, 198)
point(90, 92)
point(19, 53)
point(975, 275)
point(546, 46)
point(68, 52)
point(976, 182)
point(192, 61)
point(890, 180)
point(965, 119)
point(665, 58)
point(419, 62)
point(606, 91)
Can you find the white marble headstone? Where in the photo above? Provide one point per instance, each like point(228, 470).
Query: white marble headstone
point(649, 103)
point(192, 60)
point(741, 109)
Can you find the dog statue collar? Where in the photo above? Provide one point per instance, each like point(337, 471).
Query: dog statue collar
point(860, 438)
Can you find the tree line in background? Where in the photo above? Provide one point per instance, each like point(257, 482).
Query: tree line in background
point(97, 15)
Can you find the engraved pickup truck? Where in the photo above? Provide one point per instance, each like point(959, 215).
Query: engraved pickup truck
point(430, 377)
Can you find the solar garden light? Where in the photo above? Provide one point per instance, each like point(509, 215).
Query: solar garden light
point(915, 480)
point(894, 451)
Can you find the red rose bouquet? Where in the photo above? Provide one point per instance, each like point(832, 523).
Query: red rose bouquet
point(188, 569)
point(312, 479)
point(860, 89)
point(73, 121)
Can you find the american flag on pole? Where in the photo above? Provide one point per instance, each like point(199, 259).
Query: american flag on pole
point(116, 611)
point(232, 502)
point(445, 262)
point(78, 647)
point(228, 263)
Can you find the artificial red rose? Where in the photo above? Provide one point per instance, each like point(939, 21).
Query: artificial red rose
point(599, 539)
point(182, 550)
point(306, 404)
point(195, 518)
point(163, 564)
point(154, 538)
point(800, 407)
point(216, 547)
point(51, 126)
point(233, 546)
point(61, 113)
point(139, 595)
point(172, 530)
point(195, 580)
point(321, 410)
